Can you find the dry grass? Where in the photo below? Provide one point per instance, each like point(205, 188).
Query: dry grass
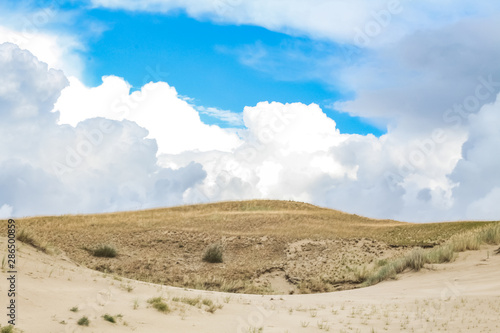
point(159, 304)
point(29, 238)
point(418, 257)
point(317, 249)
point(103, 251)
point(213, 254)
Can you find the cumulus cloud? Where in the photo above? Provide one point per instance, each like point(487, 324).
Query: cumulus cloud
point(294, 151)
point(477, 172)
point(99, 165)
point(408, 63)
point(170, 120)
point(97, 159)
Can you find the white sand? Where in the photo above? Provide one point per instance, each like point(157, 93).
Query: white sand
point(463, 296)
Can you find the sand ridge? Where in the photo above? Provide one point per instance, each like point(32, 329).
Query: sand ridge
point(463, 296)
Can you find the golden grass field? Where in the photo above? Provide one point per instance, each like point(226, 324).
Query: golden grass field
point(269, 246)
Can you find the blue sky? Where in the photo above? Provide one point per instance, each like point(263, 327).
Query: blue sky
point(387, 109)
point(205, 61)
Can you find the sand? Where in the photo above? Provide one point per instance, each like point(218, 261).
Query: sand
point(463, 296)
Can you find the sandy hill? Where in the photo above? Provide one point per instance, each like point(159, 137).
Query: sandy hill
point(269, 246)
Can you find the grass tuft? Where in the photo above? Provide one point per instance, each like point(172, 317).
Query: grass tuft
point(104, 251)
point(193, 301)
point(159, 304)
point(441, 254)
point(84, 321)
point(109, 318)
point(27, 237)
point(207, 302)
point(418, 257)
point(7, 329)
point(213, 253)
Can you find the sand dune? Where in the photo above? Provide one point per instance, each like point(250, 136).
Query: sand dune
point(463, 296)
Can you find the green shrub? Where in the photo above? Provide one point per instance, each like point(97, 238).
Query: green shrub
point(109, 318)
point(158, 304)
point(7, 329)
point(84, 321)
point(104, 251)
point(213, 254)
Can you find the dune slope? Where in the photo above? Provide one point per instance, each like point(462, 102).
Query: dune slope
point(463, 296)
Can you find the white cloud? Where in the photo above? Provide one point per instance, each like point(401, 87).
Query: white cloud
point(28, 30)
point(100, 165)
point(294, 151)
point(418, 81)
point(336, 20)
point(286, 151)
point(5, 212)
point(477, 173)
point(169, 119)
point(438, 160)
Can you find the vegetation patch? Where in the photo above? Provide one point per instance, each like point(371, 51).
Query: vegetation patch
point(84, 321)
point(29, 238)
point(193, 301)
point(214, 254)
point(316, 249)
point(7, 329)
point(109, 318)
point(418, 257)
point(159, 304)
point(103, 251)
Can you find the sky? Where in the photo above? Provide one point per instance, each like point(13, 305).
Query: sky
point(387, 109)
